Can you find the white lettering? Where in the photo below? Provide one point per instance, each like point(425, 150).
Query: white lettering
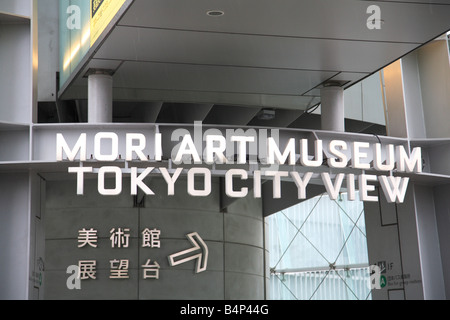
point(351, 190)
point(363, 155)
point(138, 181)
point(273, 152)
point(364, 188)
point(394, 188)
point(257, 184)
point(390, 161)
point(304, 154)
point(80, 171)
point(276, 181)
point(301, 183)
point(212, 150)
point(242, 147)
point(358, 155)
point(407, 163)
point(333, 148)
point(114, 154)
point(229, 183)
point(187, 148)
point(136, 149)
point(333, 190)
point(101, 181)
point(171, 180)
point(158, 147)
point(206, 182)
point(80, 146)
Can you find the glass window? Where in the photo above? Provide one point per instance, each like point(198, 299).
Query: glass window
point(318, 250)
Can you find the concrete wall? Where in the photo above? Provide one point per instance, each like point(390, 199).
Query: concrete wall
point(235, 241)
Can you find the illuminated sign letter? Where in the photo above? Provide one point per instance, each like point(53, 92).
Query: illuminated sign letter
point(80, 171)
point(61, 145)
point(101, 181)
point(343, 160)
point(357, 155)
point(207, 182)
point(229, 183)
point(170, 180)
point(301, 183)
point(276, 188)
point(333, 190)
point(187, 147)
point(242, 147)
point(138, 181)
point(273, 152)
point(211, 150)
point(136, 149)
point(390, 161)
point(364, 187)
point(407, 163)
point(304, 155)
point(114, 146)
point(394, 188)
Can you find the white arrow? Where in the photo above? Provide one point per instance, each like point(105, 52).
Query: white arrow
point(202, 257)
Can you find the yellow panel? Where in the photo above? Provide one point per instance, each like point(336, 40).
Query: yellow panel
point(102, 12)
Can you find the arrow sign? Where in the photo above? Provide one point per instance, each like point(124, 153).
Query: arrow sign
point(198, 252)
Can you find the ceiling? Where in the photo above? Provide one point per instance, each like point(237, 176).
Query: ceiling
point(169, 54)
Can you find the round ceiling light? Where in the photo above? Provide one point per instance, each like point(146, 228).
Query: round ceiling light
point(215, 13)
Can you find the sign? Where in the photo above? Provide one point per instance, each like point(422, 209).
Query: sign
point(119, 268)
point(74, 35)
point(81, 24)
point(198, 252)
point(363, 156)
point(102, 12)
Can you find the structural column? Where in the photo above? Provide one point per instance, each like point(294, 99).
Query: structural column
point(100, 97)
point(332, 97)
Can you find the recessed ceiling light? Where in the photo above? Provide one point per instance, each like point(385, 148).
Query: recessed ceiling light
point(215, 13)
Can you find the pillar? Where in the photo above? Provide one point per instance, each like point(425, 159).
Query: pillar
point(100, 97)
point(332, 97)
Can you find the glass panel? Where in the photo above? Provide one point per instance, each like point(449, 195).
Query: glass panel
point(74, 35)
point(318, 250)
